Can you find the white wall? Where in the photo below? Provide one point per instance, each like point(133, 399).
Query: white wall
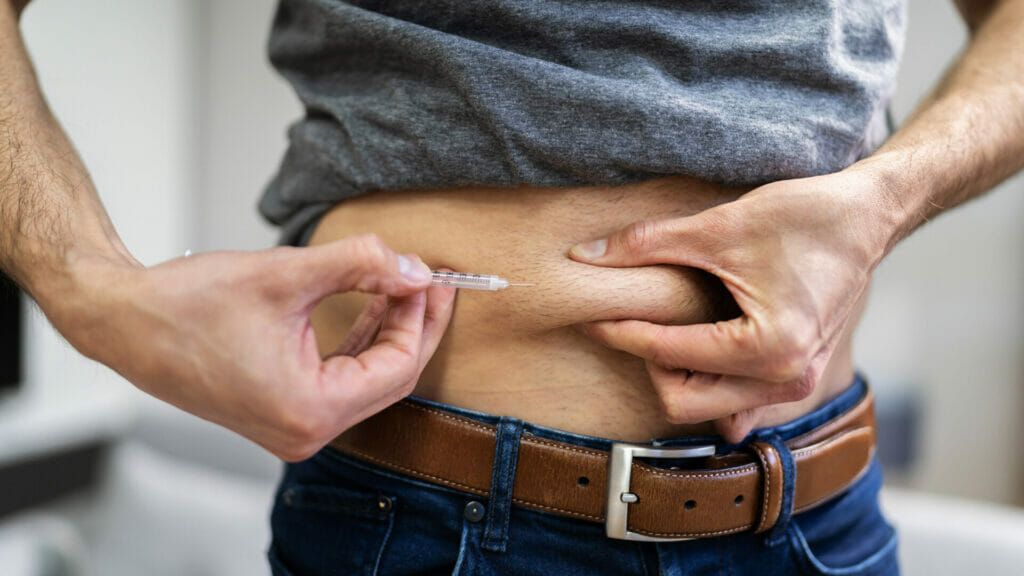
point(120, 76)
point(246, 109)
point(947, 316)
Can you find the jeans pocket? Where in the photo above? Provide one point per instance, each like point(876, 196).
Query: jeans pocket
point(331, 530)
point(850, 556)
point(847, 536)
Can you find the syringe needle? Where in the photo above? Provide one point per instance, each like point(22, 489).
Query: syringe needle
point(521, 284)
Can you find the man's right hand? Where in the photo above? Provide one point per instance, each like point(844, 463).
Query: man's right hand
point(226, 336)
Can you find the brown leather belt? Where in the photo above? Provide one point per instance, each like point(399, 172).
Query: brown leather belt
point(727, 494)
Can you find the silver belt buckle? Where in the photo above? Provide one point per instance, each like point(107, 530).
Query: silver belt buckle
point(620, 467)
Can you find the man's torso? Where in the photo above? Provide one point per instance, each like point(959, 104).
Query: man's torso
point(516, 352)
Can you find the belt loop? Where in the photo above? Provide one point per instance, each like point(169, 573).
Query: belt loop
point(774, 454)
point(506, 454)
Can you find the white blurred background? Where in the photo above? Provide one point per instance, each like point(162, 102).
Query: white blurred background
point(181, 122)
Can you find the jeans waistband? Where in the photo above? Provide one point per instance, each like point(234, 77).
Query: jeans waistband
point(817, 417)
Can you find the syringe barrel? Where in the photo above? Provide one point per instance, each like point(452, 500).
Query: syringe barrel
point(470, 281)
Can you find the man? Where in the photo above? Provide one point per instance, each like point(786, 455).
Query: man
point(795, 260)
point(526, 139)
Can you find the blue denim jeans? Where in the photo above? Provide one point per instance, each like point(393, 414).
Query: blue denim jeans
point(335, 515)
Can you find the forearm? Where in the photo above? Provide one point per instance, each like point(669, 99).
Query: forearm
point(968, 135)
point(51, 219)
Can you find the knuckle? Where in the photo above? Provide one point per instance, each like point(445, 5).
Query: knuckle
point(400, 381)
point(282, 258)
point(736, 337)
point(656, 355)
point(674, 406)
point(801, 387)
point(716, 224)
point(657, 349)
point(282, 253)
point(405, 389)
point(410, 383)
point(791, 356)
point(295, 453)
point(676, 411)
point(784, 369)
point(640, 237)
point(303, 436)
point(403, 380)
point(370, 251)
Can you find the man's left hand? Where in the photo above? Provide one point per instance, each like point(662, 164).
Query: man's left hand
point(796, 255)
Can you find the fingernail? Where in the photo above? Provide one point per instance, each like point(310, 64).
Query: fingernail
point(411, 270)
point(590, 250)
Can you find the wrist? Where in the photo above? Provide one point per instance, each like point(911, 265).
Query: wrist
point(889, 197)
point(79, 294)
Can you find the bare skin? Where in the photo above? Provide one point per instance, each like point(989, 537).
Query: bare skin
point(520, 352)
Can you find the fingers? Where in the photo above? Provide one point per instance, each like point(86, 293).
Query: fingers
point(737, 347)
point(349, 389)
point(384, 372)
point(735, 427)
point(365, 329)
point(728, 377)
point(394, 357)
point(410, 330)
point(440, 305)
point(362, 263)
point(690, 397)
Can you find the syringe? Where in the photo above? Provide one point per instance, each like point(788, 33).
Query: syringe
point(470, 281)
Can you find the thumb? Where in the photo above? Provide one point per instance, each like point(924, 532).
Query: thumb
point(640, 244)
point(360, 263)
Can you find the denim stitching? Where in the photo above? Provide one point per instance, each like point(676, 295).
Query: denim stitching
point(385, 540)
point(797, 535)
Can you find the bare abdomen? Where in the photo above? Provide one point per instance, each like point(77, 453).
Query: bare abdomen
point(515, 352)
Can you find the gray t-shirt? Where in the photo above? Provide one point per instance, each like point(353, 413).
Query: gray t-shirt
point(406, 94)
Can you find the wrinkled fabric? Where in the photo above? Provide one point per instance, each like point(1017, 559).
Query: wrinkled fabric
point(404, 94)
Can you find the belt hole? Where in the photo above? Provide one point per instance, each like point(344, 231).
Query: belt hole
point(738, 500)
point(583, 481)
point(690, 505)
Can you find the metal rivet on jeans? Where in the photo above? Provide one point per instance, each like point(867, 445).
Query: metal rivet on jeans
point(474, 511)
point(385, 504)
